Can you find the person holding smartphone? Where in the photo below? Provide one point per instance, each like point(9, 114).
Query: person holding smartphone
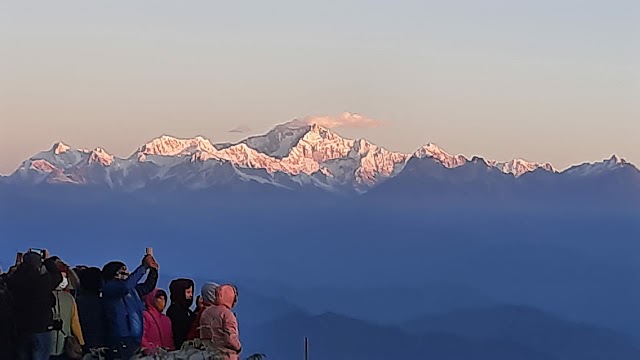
point(32, 285)
point(122, 299)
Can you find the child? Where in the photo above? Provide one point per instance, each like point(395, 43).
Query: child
point(157, 326)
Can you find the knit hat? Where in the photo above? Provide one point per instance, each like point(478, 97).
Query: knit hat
point(110, 270)
point(208, 292)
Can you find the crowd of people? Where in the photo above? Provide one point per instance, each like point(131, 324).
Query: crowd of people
point(49, 310)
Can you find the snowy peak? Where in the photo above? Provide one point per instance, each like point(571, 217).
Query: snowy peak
point(519, 167)
point(321, 145)
point(280, 140)
point(316, 133)
point(99, 155)
point(300, 147)
point(376, 162)
point(60, 148)
point(613, 163)
point(171, 146)
point(299, 151)
point(42, 166)
point(615, 159)
point(431, 150)
point(516, 167)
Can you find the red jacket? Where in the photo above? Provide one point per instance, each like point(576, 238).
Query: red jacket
point(194, 332)
point(157, 327)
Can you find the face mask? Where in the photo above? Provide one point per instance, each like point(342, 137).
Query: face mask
point(64, 283)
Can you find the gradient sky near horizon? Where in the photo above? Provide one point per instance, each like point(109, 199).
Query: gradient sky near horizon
point(545, 80)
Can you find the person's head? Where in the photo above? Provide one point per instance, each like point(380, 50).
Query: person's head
point(160, 300)
point(181, 291)
point(64, 284)
point(156, 299)
point(227, 295)
point(90, 280)
point(115, 270)
point(32, 260)
point(208, 293)
point(79, 269)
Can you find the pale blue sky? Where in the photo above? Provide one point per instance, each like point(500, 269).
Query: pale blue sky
point(545, 80)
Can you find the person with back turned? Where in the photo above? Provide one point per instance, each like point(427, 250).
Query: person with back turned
point(32, 287)
point(219, 325)
point(90, 309)
point(65, 313)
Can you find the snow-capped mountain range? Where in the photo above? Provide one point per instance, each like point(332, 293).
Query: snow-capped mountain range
point(292, 155)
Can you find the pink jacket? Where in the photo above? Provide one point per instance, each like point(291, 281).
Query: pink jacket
point(219, 324)
point(157, 327)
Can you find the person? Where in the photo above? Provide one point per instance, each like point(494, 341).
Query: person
point(206, 299)
point(157, 326)
point(65, 312)
point(7, 325)
point(219, 325)
point(32, 286)
point(123, 305)
point(90, 309)
point(180, 313)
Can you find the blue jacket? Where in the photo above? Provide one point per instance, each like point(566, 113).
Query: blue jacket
point(123, 306)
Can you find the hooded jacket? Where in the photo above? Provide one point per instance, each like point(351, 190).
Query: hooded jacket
point(157, 327)
point(65, 309)
point(122, 302)
point(208, 295)
point(179, 311)
point(220, 325)
point(90, 309)
point(32, 291)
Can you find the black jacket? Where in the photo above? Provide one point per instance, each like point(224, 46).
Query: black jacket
point(181, 316)
point(7, 333)
point(33, 296)
point(91, 309)
point(92, 320)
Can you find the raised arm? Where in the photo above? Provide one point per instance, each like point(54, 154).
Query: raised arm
point(148, 285)
point(121, 288)
point(54, 276)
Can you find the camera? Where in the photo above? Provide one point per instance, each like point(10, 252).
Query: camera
point(57, 325)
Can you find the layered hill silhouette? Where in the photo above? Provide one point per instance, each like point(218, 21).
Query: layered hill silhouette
point(508, 332)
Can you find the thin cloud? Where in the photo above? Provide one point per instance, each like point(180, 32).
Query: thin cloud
point(344, 120)
point(242, 129)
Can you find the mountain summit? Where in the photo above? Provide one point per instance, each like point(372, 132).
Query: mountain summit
point(294, 154)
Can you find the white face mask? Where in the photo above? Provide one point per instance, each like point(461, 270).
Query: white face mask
point(64, 283)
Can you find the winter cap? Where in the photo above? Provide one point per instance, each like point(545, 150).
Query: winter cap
point(208, 292)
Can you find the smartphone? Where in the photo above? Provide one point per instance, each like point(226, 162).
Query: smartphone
point(19, 257)
point(149, 251)
point(39, 251)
